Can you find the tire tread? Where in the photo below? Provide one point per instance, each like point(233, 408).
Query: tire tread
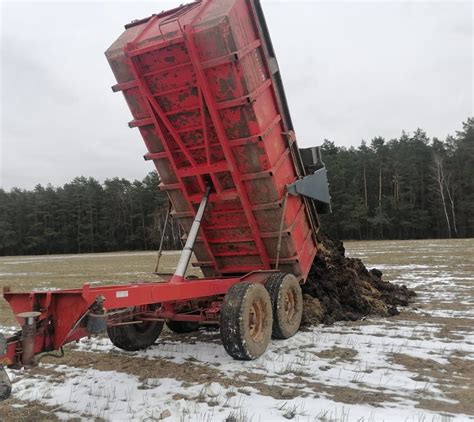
point(273, 286)
point(125, 337)
point(231, 321)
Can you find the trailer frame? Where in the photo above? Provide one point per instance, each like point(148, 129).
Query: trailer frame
point(51, 319)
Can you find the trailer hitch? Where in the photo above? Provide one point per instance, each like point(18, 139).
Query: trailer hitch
point(5, 383)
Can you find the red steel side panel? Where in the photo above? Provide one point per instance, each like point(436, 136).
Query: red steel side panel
point(198, 84)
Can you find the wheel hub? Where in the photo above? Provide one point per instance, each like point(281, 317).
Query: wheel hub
point(290, 305)
point(257, 320)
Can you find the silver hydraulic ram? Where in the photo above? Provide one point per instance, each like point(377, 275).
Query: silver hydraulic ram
point(187, 251)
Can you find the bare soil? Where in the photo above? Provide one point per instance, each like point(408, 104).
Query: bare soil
point(19, 411)
point(458, 369)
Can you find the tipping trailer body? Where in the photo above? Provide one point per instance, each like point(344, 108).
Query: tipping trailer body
point(205, 92)
point(204, 89)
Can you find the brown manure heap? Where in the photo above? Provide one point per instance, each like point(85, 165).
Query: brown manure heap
point(340, 288)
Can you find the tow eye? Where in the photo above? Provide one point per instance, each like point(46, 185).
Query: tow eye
point(5, 384)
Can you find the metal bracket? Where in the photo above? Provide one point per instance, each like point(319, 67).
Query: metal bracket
point(314, 186)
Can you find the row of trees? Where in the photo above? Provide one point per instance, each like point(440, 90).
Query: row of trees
point(410, 187)
point(86, 216)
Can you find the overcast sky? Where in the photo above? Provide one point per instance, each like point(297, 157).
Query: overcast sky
point(352, 70)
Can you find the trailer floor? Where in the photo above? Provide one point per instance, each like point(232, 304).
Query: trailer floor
point(417, 366)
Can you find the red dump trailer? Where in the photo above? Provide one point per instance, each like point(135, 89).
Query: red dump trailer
point(205, 92)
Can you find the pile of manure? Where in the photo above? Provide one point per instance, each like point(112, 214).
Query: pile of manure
point(341, 288)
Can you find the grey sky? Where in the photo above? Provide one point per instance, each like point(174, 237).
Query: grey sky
point(352, 71)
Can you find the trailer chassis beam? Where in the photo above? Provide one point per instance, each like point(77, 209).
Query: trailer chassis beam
point(63, 314)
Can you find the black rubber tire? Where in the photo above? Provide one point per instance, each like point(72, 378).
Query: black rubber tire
point(183, 327)
point(135, 336)
point(237, 313)
point(280, 286)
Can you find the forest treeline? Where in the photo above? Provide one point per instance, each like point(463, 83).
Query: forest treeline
point(405, 188)
point(412, 187)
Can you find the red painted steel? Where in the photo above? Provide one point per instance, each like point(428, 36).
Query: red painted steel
point(63, 311)
point(204, 91)
point(200, 83)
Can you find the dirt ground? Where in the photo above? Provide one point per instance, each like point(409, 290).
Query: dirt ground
point(416, 366)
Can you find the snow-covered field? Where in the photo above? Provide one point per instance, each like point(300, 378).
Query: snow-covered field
point(418, 366)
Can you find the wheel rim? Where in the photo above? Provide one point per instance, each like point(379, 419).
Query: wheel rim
point(257, 320)
point(290, 305)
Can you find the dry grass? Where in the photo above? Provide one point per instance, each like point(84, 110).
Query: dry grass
point(454, 378)
point(17, 411)
point(338, 354)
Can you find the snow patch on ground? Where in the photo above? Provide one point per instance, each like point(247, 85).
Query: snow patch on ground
point(121, 397)
point(326, 365)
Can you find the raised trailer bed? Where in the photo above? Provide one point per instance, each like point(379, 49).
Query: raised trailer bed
point(204, 89)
